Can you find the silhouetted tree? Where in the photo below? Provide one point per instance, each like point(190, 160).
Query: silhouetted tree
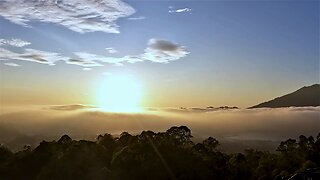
point(157, 156)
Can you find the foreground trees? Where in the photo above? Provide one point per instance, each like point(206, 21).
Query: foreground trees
point(149, 155)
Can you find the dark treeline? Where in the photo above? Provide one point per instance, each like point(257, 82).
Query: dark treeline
point(149, 155)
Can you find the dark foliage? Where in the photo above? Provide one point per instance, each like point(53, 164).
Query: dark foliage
point(163, 155)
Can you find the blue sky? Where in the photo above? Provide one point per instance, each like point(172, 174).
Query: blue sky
point(216, 53)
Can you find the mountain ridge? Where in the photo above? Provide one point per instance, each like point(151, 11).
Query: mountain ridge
point(305, 96)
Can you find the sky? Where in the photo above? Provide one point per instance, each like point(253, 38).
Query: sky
point(87, 67)
point(179, 53)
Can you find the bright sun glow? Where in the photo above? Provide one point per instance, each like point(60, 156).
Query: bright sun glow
point(119, 94)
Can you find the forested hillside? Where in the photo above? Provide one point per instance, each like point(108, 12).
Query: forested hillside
point(150, 155)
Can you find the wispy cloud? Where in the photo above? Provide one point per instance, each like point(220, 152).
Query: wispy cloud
point(87, 69)
point(13, 42)
point(12, 64)
point(111, 50)
point(81, 16)
point(81, 61)
point(137, 18)
point(90, 57)
point(180, 10)
point(157, 50)
point(32, 55)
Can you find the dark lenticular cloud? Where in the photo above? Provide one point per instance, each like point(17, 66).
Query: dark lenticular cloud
point(70, 107)
point(163, 45)
point(163, 51)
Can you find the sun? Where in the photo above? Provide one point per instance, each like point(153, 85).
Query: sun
point(119, 93)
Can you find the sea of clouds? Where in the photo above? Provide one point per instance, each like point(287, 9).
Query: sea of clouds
point(31, 125)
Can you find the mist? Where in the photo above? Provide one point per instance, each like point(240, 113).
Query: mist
point(19, 127)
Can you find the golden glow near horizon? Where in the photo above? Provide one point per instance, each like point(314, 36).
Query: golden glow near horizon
point(119, 93)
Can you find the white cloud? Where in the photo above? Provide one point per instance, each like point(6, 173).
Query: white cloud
point(133, 59)
point(12, 64)
point(111, 50)
point(181, 10)
point(137, 18)
point(90, 57)
point(81, 16)
point(32, 55)
point(14, 42)
point(158, 50)
point(45, 57)
point(87, 69)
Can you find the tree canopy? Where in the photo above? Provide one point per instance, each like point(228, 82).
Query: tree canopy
point(163, 155)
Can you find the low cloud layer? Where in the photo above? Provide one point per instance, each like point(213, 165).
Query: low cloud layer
point(159, 51)
point(81, 16)
point(70, 107)
point(199, 109)
point(19, 127)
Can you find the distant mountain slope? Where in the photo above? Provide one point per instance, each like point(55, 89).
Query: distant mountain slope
point(306, 96)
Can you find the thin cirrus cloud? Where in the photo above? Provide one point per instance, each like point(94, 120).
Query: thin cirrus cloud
point(180, 10)
point(12, 64)
point(82, 61)
point(14, 42)
point(90, 57)
point(157, 50)
point(81, 16)
point(137, 18)
point(32, 55)
point(87, 69)
point(111, 50)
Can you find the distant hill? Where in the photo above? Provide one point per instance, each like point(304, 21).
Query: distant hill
point(306, 96)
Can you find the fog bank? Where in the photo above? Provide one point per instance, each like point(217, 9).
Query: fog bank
point(30, 126)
